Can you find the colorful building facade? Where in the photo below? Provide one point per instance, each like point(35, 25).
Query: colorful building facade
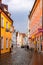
point(36, 25)
point(20, 39)
point(6, 28)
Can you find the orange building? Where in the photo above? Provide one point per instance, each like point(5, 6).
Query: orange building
point(36, 24)
point(6, 24)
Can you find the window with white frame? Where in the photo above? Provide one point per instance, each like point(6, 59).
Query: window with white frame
point(2, 42)
point(10, 43)
point(2, 22)
point(6, 42)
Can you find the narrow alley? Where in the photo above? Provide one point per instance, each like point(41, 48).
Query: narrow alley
point(21, 32)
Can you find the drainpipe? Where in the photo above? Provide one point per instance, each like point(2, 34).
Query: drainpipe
point(0, 32)
point(42, 21)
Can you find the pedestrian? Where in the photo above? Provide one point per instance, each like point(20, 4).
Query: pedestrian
point(12, 46)
point(41, 47)
point(27, 47)
point(38, 44)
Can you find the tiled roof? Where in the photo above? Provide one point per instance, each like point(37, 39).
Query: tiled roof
point(6, 14)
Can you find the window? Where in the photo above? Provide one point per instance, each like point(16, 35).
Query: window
point(5, 9)
point(2, 42)
point(11, 28)
point(6, 42)
point(10, 43)
point(7, 30)
point(6, 25)
point(2, 22)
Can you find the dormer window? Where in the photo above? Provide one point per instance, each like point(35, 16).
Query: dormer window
point(5, 9)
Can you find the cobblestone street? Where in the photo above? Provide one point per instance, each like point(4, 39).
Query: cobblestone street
point(19, 56)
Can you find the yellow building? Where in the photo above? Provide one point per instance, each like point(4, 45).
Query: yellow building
point(6, 28)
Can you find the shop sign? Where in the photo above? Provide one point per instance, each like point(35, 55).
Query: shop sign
point(40, 30)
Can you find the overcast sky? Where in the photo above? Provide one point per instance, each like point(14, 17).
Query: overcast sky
point(19, 10)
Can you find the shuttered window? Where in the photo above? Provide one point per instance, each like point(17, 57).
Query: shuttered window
point(6, 25)
point(6, 42)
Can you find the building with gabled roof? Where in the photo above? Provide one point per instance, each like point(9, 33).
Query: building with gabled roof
point(6, 26)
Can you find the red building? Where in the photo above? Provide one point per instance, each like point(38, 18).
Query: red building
point(36, 24)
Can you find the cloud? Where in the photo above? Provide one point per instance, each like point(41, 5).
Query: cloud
point(19, 10)
point(19, 5)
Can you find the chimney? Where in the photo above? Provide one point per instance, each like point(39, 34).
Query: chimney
point(0, 1)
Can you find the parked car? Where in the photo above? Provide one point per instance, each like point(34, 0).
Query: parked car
point(22, 46)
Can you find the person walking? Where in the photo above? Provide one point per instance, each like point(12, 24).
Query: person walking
point(38, 42)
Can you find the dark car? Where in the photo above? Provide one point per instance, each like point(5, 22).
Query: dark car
point(22, 46)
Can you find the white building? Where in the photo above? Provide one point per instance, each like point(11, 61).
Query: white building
point(20, 39)
point(14, 38)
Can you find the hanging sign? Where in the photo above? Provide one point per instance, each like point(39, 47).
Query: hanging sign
point(40, 30)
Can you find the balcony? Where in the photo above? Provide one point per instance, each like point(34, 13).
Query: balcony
point(7, 30)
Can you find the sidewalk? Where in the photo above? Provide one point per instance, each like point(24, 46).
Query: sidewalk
point(37, 59)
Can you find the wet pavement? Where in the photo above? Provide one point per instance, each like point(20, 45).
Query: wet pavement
point(37, 59)
point(19, 56)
